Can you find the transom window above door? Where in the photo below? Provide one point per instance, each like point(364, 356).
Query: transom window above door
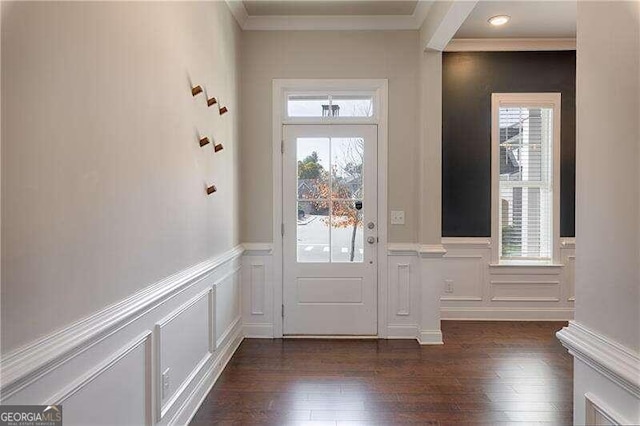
point(334, 106)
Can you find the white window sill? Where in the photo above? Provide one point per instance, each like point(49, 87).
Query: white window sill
point(526, 265)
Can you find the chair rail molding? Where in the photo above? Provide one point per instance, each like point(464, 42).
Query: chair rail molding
point(257, 249)
point(614, 361)
point(431, 250)
point(402, 249)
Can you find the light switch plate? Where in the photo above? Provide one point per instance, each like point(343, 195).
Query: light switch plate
point(448, 286)
point(397, 217)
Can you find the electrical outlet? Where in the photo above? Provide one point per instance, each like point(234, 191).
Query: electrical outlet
point(397, 217)
point(165, 383)
point(448, 286)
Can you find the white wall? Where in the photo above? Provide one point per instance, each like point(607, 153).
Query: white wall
point(605, 336)
point(328, 54)
point(102, 177)
point(608, 177)
point(116, 267)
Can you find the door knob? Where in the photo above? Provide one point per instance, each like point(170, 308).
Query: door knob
point(371, 240)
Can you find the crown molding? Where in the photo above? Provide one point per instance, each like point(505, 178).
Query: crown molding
point(329, 22)
point(509, 44)
point(238, 11)
point(421, 11)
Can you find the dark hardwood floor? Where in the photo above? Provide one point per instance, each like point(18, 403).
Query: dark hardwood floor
point(486, 373)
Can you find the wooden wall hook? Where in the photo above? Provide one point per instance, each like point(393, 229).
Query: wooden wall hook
point(211, 189)
point(218, 147)
point(204, 140)
point(223, 110)
point(212, 101)
point(196, 90)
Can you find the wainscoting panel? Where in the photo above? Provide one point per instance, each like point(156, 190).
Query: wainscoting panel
point(107, 368)
point(463, 277)
point(525, 291)
point(184, 345)
point(403, 289)
point(98, 397)
point(474, 289)
point(459, 272)
point(257, 290)
point(403, 303)
point(257, 283)
point(228, 304)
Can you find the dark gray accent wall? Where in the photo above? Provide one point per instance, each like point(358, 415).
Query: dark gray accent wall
point(468, 80)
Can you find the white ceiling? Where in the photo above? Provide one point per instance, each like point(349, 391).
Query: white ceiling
point(330, 8)
point(541, 20)
point(529, 19)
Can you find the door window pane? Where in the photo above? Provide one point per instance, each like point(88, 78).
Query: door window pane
point(313, 168)
point(313, 232)
point(347, 168)
point(346, 231)
point(330, 199)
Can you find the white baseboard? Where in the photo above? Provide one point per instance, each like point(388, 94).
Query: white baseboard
point(506, 314)
point(192, 403)
point(430, 337)
point(402, 331)
point(258, 331)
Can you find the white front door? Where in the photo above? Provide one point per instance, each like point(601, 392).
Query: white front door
point(330, 229)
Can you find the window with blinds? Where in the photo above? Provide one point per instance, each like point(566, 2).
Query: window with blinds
point(525, 181)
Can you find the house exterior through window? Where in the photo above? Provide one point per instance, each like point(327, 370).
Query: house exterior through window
point(525, 177)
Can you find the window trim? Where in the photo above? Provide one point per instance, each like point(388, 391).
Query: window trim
point(498, 100)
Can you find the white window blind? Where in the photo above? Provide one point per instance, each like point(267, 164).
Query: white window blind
point(525, 183)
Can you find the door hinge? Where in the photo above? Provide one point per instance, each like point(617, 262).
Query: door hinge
point(282, 229)
point(282, 311)
point(282, 146)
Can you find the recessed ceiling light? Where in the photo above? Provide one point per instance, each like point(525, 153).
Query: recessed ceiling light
point(498, 20)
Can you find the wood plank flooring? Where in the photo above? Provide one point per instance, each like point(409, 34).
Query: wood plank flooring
point(485, 373)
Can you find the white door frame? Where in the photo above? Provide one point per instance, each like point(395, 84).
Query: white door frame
point(280, 87)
